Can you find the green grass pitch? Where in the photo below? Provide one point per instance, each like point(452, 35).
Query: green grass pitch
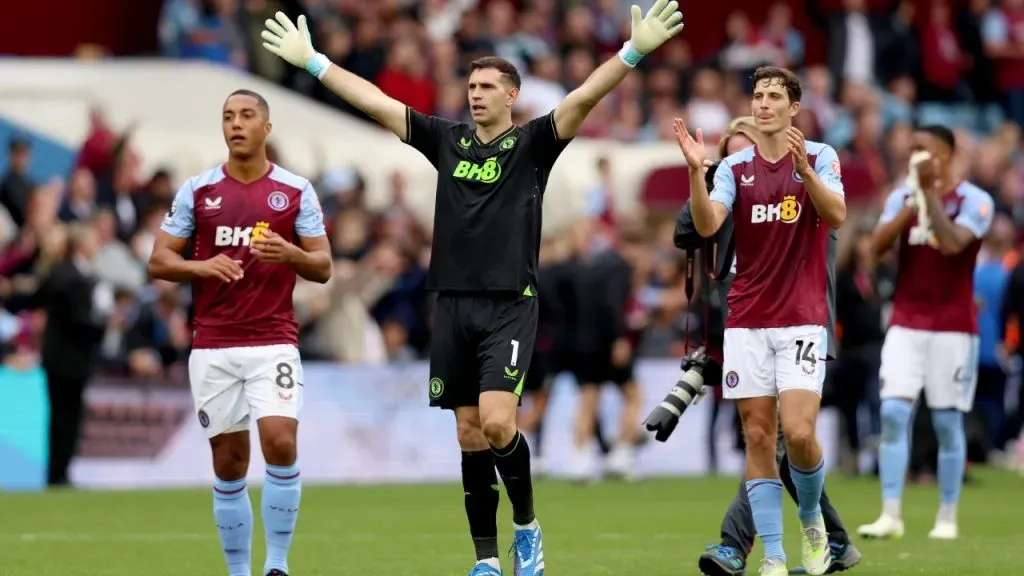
point(650, 528)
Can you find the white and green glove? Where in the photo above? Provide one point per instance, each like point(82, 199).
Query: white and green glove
point(294, 45)
point(662, 22)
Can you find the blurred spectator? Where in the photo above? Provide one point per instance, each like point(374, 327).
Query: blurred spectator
point(77, 304)
point(991, 278)
point(16, 185)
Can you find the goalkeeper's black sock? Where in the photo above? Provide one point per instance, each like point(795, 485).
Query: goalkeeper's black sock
point(513, 462)
point(480, 483)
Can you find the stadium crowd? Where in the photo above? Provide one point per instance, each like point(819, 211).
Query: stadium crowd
point(963, 68)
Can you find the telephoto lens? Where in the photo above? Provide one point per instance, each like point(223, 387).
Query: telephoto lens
point(698, 368)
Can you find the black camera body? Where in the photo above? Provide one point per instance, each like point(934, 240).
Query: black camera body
point(699, 370)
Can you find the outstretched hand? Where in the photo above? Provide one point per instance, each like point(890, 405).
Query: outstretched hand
point(693, 149)
point(662, 22)
point(293, 44)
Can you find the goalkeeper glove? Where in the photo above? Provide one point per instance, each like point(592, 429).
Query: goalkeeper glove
point(294, 45)
point(662, 22)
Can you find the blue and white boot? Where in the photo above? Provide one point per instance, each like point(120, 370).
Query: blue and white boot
point(528, 550)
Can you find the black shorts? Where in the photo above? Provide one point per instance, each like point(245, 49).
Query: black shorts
point(597, 369)
point(480, 343)
point(537, 377)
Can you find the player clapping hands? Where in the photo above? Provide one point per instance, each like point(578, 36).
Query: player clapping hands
point(795, 144)
point(693, 148)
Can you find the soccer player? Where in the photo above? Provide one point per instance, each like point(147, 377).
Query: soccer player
point(932, 341)
point(253, 226)
point(784, 194)
point(729, 556)
point(491, 179)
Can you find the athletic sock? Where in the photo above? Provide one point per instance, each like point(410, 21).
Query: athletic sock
point(894, 453)
point(282, 491)
point(480, 484)
point(766, 507)
point(513, 462)
point(809, 484)
point(949, 430)
point(232, 511)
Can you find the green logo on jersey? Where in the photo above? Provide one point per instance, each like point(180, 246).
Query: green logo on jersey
point(511, 374)
point(436, 387)
point(508, 143)
point(488, 173)
point(465, 143)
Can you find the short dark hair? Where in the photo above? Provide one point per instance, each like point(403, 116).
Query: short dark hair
point(507, 69)
point(785, 78)
point(943, 133)
point(260, 100)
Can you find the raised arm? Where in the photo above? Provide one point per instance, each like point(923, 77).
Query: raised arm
point(709, 210)
point(972, 223)
point(662, 22)
point(896, 216)
point(294, 45)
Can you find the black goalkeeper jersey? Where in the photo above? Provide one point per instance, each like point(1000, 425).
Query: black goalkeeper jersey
point(487, 212)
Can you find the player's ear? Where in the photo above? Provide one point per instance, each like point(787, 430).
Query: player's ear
point(794, 108)
point(513, 95)
point(267, 127)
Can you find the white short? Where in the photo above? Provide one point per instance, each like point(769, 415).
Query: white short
point(229, 384)
point(765, 361)
point(944, 364)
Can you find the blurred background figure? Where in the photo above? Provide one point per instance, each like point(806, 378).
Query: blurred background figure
point(77, 304)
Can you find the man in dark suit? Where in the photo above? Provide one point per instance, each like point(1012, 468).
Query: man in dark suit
point(76, 305)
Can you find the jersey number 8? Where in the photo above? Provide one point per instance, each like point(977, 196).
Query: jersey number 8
point(285, 376)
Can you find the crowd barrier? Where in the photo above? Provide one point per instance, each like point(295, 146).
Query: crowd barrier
point(360, 424)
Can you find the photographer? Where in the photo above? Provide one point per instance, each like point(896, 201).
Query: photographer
point(728, 558)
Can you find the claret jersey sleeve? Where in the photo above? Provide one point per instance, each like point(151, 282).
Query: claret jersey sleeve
point(545, 144)
point(427, 133)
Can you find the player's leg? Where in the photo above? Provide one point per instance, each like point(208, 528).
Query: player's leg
point(505, 354)
point(531, 419)
point(622, 460)
point(274, 392)
point(589, 378)
point(800, 373)
point(844, 554)
point(583, 465)
point(750, 380)
point(224, 415)
point(950, 383)
point(454, 386)
point(729, 557)
point(902, 377)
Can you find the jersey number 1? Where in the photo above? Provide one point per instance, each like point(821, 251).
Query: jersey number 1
point(515, 353)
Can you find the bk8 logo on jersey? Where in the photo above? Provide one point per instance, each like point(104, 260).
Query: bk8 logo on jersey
point(488, 173)
point(239, 236)
point(787, 211)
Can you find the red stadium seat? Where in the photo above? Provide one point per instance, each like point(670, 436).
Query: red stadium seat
point(666, 189)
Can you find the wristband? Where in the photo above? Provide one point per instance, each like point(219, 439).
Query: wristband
point(318, 65)
point(629, 55)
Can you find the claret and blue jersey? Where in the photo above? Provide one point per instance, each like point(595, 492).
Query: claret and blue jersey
point(221, 215)
point(784, 255)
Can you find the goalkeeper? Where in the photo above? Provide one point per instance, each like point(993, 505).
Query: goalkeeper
point(483, 264)
point(729, 557)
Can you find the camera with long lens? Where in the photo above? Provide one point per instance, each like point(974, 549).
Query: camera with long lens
point(699, 370)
